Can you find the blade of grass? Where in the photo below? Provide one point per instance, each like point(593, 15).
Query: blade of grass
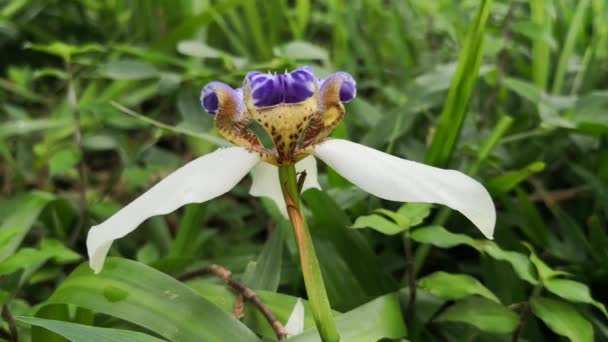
point(204, 136)
point(576, 26)
point(459, 95)
point(541, 51)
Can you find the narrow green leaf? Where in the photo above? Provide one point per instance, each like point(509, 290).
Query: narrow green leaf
point(454, 286)
point(576, 26)
point(266, 274)
point(187, 240)
point(455, 108)
point(84, 333)
point(484, 314)
point(563, 319)
point(139, 294)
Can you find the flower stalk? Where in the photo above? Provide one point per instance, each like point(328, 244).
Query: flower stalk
point(313, 280)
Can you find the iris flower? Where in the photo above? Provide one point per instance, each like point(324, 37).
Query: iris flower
point(298, 112)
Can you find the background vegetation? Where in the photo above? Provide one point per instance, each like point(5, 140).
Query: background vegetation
point(99, 100)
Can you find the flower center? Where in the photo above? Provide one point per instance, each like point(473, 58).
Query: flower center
point(296, 110)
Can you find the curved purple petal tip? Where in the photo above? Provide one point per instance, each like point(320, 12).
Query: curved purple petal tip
point(212, 94)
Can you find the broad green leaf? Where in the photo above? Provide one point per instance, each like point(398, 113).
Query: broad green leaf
point(440, 237)
point(484, 314)
point(84, 333)
point(18, 216)
point(573, 291)
point(378, 223)
point(380, 318)
point(127, 70)
point(141, 295)
point(29, 257)
point(563, 319)
point(454, 286)
point(414, 213)
point(521, 264)
point(266, 274)
point(461, 88)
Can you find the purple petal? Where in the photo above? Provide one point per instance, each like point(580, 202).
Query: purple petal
point(270, 90)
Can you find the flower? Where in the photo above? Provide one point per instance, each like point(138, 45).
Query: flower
point(298, 112)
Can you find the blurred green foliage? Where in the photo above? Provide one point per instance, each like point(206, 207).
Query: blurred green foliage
point(99, 100)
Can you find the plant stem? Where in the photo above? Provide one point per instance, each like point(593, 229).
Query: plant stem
point(313, 280)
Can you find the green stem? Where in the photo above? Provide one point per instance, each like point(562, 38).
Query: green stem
point(315, 288)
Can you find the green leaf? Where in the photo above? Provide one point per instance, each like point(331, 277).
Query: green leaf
point(141, 295)
point(281, 305)
point(63, 50)
point(484, 314)
point(19, 215)
point(573, 291)
point(544, 271)
point(414, 214)
point(380, 318)
point(198, 49)
point(455, 109)
point(266, 274)
point(127, 70)
point(454, 286)
point(509, 180)
point(84, 333)
point(29, 257)
point(521, 264)
point(440, 237)
point(379, 223)
point(563, 319)
point(63, 161)
point(347, 250)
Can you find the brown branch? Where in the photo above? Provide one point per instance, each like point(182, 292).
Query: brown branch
point(12, 326)
point(242, 290)
point(558, 195)
point(524, 314)
point(82, 191)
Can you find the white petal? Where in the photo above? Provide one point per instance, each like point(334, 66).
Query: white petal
point(266, 181)
point(198, 181)
point(295, 323)
point(397, 179)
